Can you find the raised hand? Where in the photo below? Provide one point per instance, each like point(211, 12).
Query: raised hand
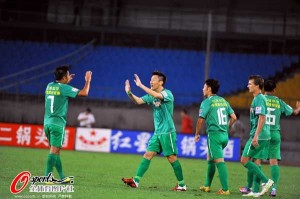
point(127, 86)
point(72, 76)
point(88, 76)
point(137, 80)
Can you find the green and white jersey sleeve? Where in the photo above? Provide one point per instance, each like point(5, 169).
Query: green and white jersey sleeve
point(276, 107)
point(162, 112)
point(259, 107)
point(56, 103)
point(216, 112)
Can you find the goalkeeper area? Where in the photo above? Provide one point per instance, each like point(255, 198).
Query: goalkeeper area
point(98, 175)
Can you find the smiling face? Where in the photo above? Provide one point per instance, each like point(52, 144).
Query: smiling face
point(155, 83)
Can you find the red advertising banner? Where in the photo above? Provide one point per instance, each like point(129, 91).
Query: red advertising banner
point(27, 135)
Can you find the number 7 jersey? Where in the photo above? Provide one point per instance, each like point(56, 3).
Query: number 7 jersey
point(216, 111)
point(56, 103)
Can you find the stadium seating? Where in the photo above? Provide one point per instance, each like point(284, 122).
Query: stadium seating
point(111, 66)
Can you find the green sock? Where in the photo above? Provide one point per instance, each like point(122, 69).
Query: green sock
point(144, 165)
point(275, 173)
point(51, 161)
point(250, 177)
point(178, 172)
point(223, 174)
point(58, 167)
point(256, 182)
point(256, 171)
point(210, 172)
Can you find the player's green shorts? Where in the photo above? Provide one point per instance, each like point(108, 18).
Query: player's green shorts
point(55, 135)
point(216, 142)
point(165, 143)
point(260, 152)
point(275, 145)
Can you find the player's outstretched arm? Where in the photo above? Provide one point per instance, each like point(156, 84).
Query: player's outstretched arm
point(134, 98)
point(85, 91)
point(146, 89)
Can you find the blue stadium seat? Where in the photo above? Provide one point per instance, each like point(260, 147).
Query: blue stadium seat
point(111, 66)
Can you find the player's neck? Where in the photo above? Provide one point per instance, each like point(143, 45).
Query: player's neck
point(255, 93)
point(160, 89)
point(60, 81)
point(210, 94)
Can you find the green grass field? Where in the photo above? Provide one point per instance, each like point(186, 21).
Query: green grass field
point(98, 175)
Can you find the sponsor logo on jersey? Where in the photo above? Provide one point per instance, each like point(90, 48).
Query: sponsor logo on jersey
point(258, 110)
point(200, 112)
point(157, 103)
point(74, 89)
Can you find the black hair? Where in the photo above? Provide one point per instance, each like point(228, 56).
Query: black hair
point(61, 71)
point(185, 111)
point(213, 84)
point(269, 85)
point(161, 76)
point(88, 110)
point(258, 80)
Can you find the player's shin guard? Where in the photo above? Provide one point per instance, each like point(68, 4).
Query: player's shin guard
point(58, 167)
point(222, 169)
point(256, 171)
point(275, 173)
point(210, 172)
point(250, 177)
point(178, 172)
point(144, 165)
point(51, 161)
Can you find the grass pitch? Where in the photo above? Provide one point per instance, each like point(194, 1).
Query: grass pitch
point(98, 175)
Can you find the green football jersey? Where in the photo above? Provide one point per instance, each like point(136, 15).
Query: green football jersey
point(162, 112)
point(56, 103)
point(259, 107)
point(216, 112)
point(276, 107)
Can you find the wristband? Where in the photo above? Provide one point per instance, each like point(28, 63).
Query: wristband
point(129, 93)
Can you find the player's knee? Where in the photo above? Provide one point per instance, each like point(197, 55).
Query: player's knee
point(149, 155)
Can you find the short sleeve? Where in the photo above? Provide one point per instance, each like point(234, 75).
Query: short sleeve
point(260, 106)
point(168, 96)
point(204, 109)
point(229, 109)
point(147, 99)
point(68, 91)
point(285, 108)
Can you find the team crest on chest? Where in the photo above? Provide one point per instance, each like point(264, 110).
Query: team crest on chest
point(157, 103)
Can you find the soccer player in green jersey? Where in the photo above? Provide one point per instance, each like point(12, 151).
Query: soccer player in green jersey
point(218, 116)
point(56, 107)
point(164, 137)
point(275, 107)
point(257, 147)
